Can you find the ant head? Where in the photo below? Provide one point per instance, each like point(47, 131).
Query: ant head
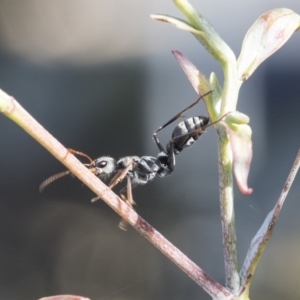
point(103, 167)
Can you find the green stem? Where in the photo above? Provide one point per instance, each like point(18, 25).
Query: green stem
point(210, 39)
point(188, 10)
point(227, 212)
point(231, 87)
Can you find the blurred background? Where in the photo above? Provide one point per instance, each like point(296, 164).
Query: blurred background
point(100, 76)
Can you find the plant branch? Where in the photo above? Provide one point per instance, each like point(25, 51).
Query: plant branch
point(13, 110)
point(260, 241)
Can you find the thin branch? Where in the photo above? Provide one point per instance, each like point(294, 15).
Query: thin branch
point(260, 241)
point(13, 110)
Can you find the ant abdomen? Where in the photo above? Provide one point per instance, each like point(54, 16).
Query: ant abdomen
point(185, 133)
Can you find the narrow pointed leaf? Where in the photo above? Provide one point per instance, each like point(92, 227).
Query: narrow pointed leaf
point(198, 80)
point(179, 23)
point(204, 33)
point(256, 249)
point(270, 32)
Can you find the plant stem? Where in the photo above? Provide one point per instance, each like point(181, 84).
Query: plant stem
point(231, 87)
point(227, 211)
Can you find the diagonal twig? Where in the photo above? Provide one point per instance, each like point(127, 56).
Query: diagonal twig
point(260, 241)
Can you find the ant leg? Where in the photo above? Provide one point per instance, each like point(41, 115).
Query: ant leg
point(171, 161)
point(116, 179)
point(128, 188)
point(180, 113)
point(154, 136)
point(120, 175)
point(217, 121)
point(129, 201)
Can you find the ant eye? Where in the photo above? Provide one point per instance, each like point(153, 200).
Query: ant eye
point(101, 164)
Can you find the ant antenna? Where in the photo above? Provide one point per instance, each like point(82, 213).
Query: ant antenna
point(54, 177)
point(80, 154)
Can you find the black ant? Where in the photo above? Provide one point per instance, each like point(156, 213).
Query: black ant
point(141, 170)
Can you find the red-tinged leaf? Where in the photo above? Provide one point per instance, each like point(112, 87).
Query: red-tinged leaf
point(179, 23)
point(201, 84)
point(270, 32)
point(64, 297)
point(241, 145)
point(203, 31)
point(198, 80)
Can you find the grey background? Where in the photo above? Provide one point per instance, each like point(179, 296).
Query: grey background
point(100, 76)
